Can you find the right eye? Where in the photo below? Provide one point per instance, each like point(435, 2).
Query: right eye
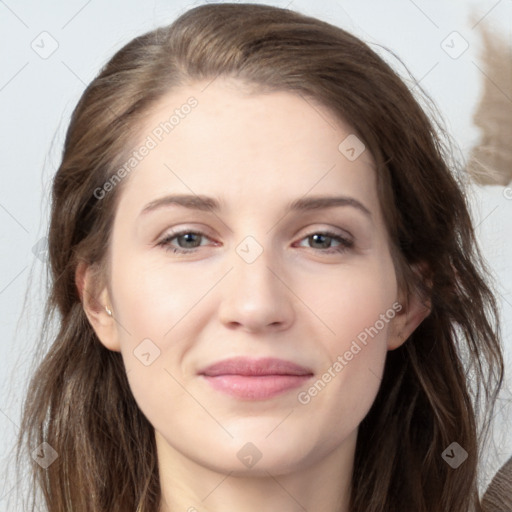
point(187, 241)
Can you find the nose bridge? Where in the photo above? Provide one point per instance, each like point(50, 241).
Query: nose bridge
point(251, 262)
point(254, 297)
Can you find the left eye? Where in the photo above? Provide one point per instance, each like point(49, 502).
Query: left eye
point(189, 241)
point(325, 239)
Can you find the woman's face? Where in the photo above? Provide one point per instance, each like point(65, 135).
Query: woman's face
point(250, 228)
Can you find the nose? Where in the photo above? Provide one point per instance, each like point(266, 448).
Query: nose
point(256, 296)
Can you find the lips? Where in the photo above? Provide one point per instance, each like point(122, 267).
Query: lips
point(255, 367)
point(255, 379)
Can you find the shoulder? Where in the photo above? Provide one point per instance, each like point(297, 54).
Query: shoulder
point(498, 496)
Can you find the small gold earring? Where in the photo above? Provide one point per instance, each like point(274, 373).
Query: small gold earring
point(109, 313)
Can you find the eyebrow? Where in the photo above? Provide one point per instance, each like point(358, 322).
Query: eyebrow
point(206, 203)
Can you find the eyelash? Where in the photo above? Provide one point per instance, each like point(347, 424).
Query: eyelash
point(345, 244)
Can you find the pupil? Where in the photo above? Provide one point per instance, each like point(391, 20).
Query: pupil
point(326, 240)
point(188, 237)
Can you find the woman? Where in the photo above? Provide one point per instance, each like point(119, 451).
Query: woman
point(267, 283)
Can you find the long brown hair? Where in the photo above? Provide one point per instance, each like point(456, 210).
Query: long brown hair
point(437, 387)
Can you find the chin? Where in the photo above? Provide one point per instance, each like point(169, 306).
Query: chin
point(265, 462)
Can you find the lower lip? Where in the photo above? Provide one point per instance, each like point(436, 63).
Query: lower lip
point(256, 387)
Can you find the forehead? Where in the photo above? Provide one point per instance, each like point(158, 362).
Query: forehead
point(219, 139)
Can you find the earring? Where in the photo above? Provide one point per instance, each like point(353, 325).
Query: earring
point(108, 311)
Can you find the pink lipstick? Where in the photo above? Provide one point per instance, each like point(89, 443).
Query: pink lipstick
point(255, 379)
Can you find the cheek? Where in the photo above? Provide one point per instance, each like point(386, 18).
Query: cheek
point(154, 312)
point(357, 309)
point(152, 300)
point(353, 300)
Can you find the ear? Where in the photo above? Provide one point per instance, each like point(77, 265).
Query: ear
point(413, 311)
point(95, 299)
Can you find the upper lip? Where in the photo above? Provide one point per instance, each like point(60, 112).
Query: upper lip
point(256, 367)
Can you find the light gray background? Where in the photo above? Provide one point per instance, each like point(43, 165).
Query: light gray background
point(38, 94)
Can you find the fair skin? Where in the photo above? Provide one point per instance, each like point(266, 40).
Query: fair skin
point(300, 300)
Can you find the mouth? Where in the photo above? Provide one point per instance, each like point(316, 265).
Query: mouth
point(255, 379)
